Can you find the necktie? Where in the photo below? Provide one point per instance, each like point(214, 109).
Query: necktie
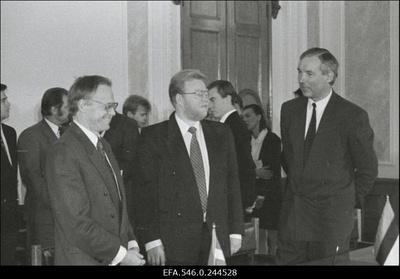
point(310, 135)
point(60, 130)
point(198, 168)
point(103, 154)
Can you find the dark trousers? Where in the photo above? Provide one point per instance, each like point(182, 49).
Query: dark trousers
point(293, 252)
point(204, 250)
point(40, 234)
point(9, 234)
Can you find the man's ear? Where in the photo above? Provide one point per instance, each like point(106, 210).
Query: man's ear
point(330, 76)
point(54, 110)
point(82, 105)
point(129, 114)
point(179, 99)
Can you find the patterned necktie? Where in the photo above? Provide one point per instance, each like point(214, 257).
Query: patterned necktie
point(60, 131)
point(103, 154)
point(198, 168)
point(310, 135)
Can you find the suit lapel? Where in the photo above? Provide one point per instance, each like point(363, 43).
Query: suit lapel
point(97, 161)
point(214, 151)
point(297, 129)
point(47, 132)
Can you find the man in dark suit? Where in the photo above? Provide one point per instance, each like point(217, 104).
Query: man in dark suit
point(33, 145)
point(331, 165)
point(223, 98)
point(190, 180)
point(86, 188)
point(9, 191)
point(123, 136)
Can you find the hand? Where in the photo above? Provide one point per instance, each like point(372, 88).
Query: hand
point(133, 257)
point(156, 256)
point(259, 203)
point(235, 245)
point(264, 172)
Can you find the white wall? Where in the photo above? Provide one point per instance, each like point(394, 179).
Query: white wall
point(49, 44)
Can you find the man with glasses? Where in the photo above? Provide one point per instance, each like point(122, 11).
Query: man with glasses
point(85, 185)
point(190, 180)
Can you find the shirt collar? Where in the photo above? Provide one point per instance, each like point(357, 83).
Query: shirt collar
point(226, 115)
point(321, 103)
point(52, 126)
point(92, 136)
point(184, 127)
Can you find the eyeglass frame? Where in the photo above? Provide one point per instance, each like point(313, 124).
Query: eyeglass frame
point(199, 94)
point(107, 106)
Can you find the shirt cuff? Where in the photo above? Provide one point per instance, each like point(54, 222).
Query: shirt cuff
point(120, 256)
point(153, 244)
point(132, 244)
point(236, 236)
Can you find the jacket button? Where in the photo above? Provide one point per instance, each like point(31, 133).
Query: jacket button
point(112, 216)
point(105, 194)
point(179, 215)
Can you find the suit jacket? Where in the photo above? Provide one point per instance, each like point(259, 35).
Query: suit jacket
point(247, 174)
point(33, 145)
point(170, 202)
point(89, 227)
point(123, 136)
point(270, 155)
point(9, 182)
point(341, 168)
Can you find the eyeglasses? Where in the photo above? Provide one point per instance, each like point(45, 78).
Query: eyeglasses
point(199, 93)
point(108, 106)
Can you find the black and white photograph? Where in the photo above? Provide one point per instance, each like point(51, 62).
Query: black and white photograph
point(199, 138)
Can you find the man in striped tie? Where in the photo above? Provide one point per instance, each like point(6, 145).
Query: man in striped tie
point(86, 189)
point(190, 180)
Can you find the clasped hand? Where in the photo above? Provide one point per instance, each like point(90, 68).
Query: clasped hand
point(133, 257)
point(264, 172)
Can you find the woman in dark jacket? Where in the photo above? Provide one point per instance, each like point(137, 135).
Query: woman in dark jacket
point(266, 152)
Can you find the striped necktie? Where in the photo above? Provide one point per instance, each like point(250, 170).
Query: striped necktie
point(198, 168)
point(103, 154)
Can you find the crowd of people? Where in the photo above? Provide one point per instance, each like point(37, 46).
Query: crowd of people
point(104, 188)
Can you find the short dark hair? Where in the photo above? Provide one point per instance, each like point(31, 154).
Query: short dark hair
point(329, 62)
point(53, 97)
point(224, 88)
point(177, 82)
point(3, 87)
point(132, 103)
point(239, 102)
point(259, 111)
point(84, 88)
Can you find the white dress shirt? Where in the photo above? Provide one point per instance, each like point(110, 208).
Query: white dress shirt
point(53, 127)
point(319, 111)
point(6, 145)
point(226, 115)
